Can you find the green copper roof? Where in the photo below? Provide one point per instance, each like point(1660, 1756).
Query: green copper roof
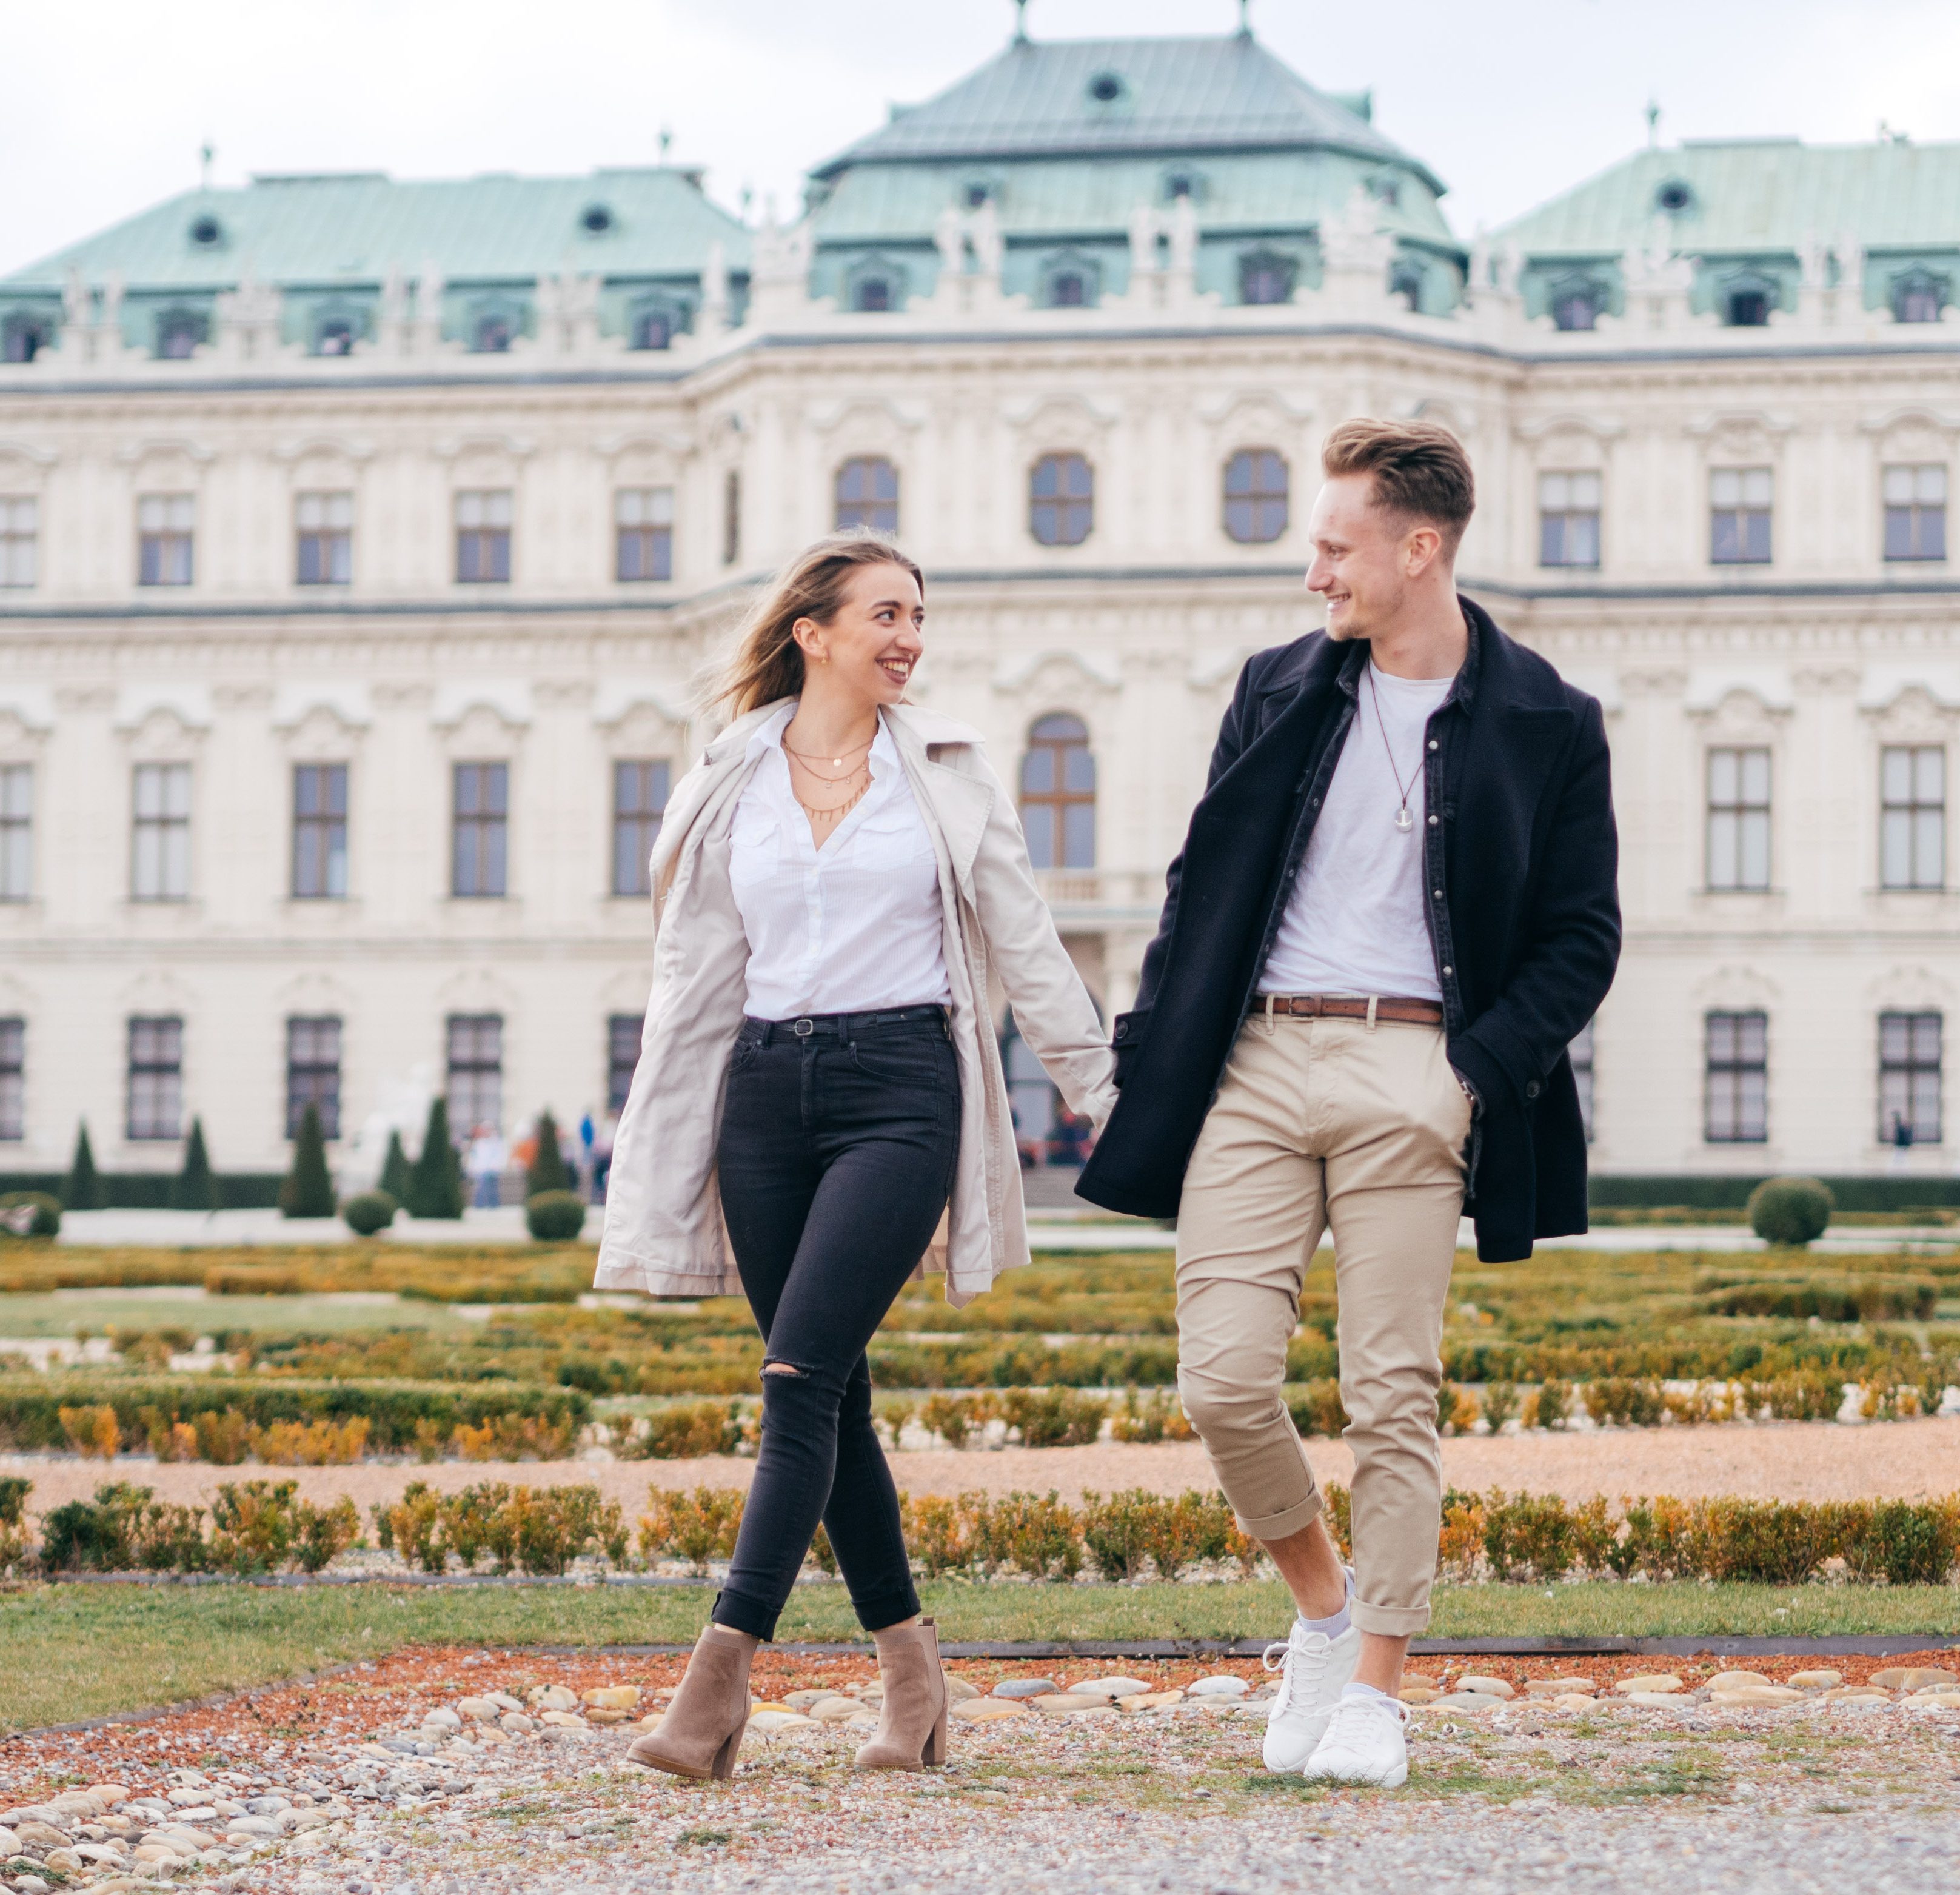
point(354, 228)
point(1086, 98)
point(1743, 196)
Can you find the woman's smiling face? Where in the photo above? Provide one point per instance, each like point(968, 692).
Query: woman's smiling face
point(871, 645)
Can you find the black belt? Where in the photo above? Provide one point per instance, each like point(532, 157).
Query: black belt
point(843, 1026)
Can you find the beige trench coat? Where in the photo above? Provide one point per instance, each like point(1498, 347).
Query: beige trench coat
point(663, 1228)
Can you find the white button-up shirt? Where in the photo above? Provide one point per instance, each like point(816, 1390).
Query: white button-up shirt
point(854, 927)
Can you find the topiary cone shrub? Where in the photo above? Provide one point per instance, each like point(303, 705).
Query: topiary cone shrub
point(554, 1217)
point(395, 1178)
point(1790, 1212)
point(195, 1186)
point(547, 1170)
point(435, 1185)
point(369, 1212)
point(306, 1191)
point(84, 1190)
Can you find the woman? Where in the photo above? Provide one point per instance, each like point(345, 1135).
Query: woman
point(818, 1085)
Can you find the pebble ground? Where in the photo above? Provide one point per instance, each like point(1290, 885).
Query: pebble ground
point(1695, 1796)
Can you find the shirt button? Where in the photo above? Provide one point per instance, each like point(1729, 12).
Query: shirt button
point(1449, 970)
point(1438, 893)
point(1432, 821)
point(1432, 743)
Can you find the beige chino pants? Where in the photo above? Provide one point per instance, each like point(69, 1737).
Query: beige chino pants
point(1321, 1123)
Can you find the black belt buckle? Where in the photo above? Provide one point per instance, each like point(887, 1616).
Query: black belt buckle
point(802, 1028)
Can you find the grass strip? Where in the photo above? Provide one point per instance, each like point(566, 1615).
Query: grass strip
point(70, 1652)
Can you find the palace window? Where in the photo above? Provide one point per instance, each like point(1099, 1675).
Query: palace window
point(642, 532)
point(165, 524)
point(480, 856)
point(1577, 306)
point(622, 1055)
point(1059, 794)
point(1256, 496)
point(1916, 512)
point(1580, 1053)
point(1918, 299)
point(1748, 306)
point(1912, 818)
point(179, 334)
point(20, 541)
point(1739, 501)
point(13, 1078)
point(23, 337)
point(1067, 290)
point(873, 295)
point(1909, 1079)
point(325, 526)
point(476, 1073)
point(483, 538)
point(1264, 278)
point(17, 832)
point(155, 1077)
point(1739, 818)
point(1568, 519)
point(492, 332)
point(653, 329)
point(335, 336)
point(1061, 500)
point(1736, 1085)
point(319, 832)
point(639, 800)
point(868, 494)
point(1406, 280)
point(312, 1072)
point(159, 854)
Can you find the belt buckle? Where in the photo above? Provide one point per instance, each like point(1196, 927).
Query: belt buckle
point(802, 1028)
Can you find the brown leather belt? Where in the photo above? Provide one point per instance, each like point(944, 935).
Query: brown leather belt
point(1319, 1006)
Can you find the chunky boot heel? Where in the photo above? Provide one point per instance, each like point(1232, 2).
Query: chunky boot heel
point(700, 1734)
point(911, 1722)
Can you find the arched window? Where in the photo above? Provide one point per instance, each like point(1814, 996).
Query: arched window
point(653, 329)
point(1069, 281)
point(1059, 794)
point(1256, 496)
point(1265, 277)
point(1406, 280)
point(867, 493)
point(1918, 298)
point(1061, 500)
point(1575, 303)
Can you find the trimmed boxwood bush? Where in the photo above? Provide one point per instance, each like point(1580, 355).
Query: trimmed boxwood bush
point(1791, 1211)
point(30, 1214)
point(367, 1213)
point(306, 1191)
point(554, 1217)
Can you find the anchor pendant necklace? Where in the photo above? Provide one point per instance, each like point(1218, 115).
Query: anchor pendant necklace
point(1404, 821)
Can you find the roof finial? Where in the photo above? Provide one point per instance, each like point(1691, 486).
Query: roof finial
point(1653, 123)
point(1020, 22)
point(1245, 19)
point(666, 141)
point(206, 153)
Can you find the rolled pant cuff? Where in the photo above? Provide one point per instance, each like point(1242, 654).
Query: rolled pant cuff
point(1389, 1621)
point(886, 1608)
point(742, 1614)
point(1283, 1525)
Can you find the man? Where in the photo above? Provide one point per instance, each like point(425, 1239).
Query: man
point(1395, 906)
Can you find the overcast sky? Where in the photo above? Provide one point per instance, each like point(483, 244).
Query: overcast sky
point(103, 107)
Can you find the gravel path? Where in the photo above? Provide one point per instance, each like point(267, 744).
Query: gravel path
point(381, 1781)
point(1790, 1460)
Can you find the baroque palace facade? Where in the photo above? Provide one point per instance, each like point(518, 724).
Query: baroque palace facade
point(362, 544)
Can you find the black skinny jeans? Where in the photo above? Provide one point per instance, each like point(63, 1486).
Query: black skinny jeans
point(836, 1154)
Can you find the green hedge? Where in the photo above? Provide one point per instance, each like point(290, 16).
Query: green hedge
point(30, 1406)
point(150, 1190)
point(1732, 1192)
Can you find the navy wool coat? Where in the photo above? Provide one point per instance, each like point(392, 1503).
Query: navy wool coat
point(1521, 907)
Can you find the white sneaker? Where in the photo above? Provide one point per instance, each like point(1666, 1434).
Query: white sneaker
point(1312, 1669)
point(1363, 1744)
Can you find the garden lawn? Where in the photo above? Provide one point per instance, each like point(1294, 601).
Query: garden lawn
point(68, 1652)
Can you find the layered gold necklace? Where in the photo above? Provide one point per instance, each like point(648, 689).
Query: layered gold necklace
point(849, 772)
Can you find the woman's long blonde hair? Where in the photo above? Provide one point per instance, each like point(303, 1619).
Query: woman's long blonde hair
point(768, 663)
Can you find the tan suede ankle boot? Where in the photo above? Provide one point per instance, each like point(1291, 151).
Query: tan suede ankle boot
point(912, 1721)
point(702, 1729)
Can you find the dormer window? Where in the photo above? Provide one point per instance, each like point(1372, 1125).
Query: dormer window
point(1068, 291)
point(179, 333)
point(1576, 306)
point(1406, 280)
point(874, 294)
point(1265, 277)
point(1385, 189)
point(596, 220)
point(1918, 299)
point(206, 232)
point(975, 195)
point(1674, 197)
point(22, 338)
point(335, 336)
point(1180, 184)
point(492, 335)
point(1749, 307)
point(1106, 88)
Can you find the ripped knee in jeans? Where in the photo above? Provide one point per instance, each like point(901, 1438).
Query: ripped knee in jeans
point(781, 1368)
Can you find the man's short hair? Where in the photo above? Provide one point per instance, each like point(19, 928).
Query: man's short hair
point(1419, 470)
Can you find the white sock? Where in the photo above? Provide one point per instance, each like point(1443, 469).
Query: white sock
point(1360, 1691)
point(1334, 1627)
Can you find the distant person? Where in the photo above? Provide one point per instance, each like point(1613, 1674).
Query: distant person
point(1395, 908)
point(485, 1165)
point(835, 885)
point(1069, 1143)
point(602, 1157)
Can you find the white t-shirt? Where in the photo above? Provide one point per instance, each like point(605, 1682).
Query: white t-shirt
point(1354, 921)
point(854, 927)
